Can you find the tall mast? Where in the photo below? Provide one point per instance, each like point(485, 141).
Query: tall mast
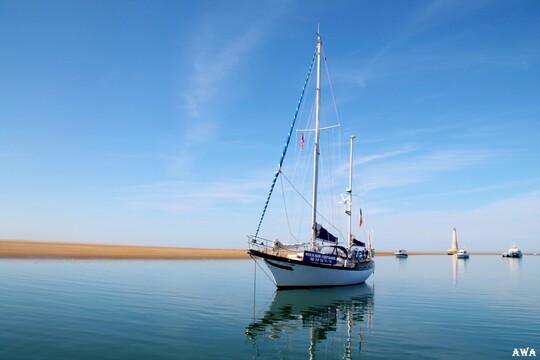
point(316, 147)
point(349, 193)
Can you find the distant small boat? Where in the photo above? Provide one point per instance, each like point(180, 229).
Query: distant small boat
point(401, 253)
point(513, 252)
point(462, 254)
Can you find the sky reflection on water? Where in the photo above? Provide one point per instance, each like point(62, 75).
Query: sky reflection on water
point(420, 307)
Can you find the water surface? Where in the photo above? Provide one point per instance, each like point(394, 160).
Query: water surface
point(423, 307)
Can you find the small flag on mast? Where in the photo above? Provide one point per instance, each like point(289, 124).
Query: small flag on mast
point(302, 142)
point(361, 220)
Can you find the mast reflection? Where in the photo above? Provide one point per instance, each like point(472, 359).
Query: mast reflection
point(298, 321)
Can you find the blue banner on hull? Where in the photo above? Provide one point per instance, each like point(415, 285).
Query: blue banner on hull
point(318, 258)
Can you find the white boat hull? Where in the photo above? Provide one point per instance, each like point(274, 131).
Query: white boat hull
point(513, 252)
point(293, 274)
point(462, 254)
point(516, 255)
point(401, 254)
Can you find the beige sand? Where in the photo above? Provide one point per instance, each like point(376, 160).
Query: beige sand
point(23, 248)
point(26, 248)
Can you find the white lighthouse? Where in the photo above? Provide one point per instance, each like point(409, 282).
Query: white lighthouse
point(454, 248)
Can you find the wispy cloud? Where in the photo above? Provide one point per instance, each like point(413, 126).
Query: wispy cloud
point(406, 149)
point(525, 183)
point(216, 59)
point(221, 46)
point(438, 13)
point(420, 168)
point(396, 58)
point(218, 50)
point(194, 197)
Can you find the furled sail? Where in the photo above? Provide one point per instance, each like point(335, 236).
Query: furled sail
point(358, 242)
point(325, 235)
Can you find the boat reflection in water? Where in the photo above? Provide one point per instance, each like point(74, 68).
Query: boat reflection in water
point(299, 322)
point(459, 266)
point(514, 264)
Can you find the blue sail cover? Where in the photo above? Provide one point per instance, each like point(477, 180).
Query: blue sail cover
point(358, 242)
point(324, 235)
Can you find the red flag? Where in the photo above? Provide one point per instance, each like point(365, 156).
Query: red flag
point(302, 141)
point(361, 221)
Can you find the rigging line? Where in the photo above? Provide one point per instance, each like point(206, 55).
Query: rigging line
point(333, 99)
point(327, 168)
point(254, 288)
point(286, 144)
point(285, 208)
point(295, 189)
point(296, 173)
point(330, 149)
point(309, 204)
point(331, 88)
point(265, 273)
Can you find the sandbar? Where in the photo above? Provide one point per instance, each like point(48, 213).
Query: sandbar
point(47, 249)
point(52, 249)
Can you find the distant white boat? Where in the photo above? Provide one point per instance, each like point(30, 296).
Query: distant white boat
point(401, 253)
point(513, 252)
point(462, 254)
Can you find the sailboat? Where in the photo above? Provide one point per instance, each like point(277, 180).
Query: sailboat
point(320, 260)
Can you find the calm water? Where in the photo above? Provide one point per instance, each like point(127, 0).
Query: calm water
point(423, 307)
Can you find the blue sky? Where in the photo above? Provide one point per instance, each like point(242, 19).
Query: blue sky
point(161, 122)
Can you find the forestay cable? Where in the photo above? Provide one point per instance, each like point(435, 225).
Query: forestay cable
point(286, 144)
